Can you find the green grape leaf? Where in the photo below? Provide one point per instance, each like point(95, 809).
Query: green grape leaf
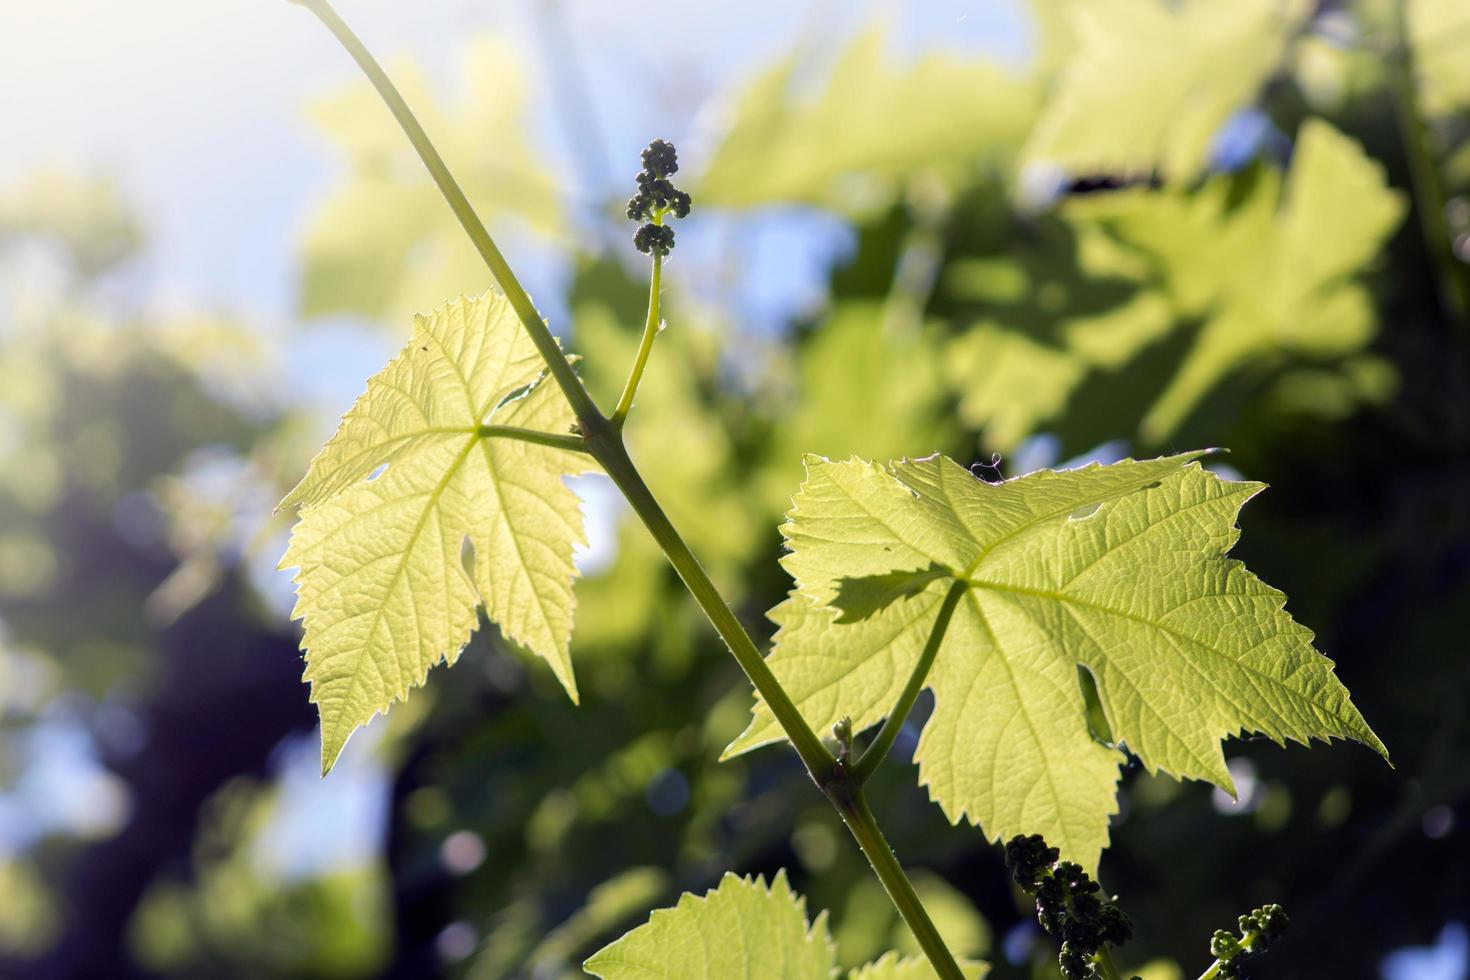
point(382, 244)
point(1150, 83)
point(1118, 570)
point(742, 929)
point(383, 588)
point(891, 966)
point(871, 117)
point(1271, 270)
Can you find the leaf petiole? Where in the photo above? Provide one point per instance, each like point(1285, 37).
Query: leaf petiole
point(875, 753)
point(554, 440)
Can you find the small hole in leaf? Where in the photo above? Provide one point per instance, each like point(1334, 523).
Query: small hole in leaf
point(467, 556)
point(1083, 513)
point(377, 472)
point(515, 395)
point(1097, 719)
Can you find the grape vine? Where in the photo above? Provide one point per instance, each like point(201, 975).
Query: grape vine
point(908, 575)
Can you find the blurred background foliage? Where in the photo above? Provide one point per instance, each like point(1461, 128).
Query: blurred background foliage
point(1145, 226)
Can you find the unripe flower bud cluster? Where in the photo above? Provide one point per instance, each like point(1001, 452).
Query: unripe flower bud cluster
point(656, 197)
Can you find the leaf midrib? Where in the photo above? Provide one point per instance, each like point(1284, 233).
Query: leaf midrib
point(430, 505)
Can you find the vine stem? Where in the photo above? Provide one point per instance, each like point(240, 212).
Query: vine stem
point(600, 438)
point(875, 753)
point(603, 440)
point(852, 803)
point(651, 328)
point(541, 336)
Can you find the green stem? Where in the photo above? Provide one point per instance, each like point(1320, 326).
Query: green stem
point(571, 443)
point(597, 436)
point(1246, 944)
point(852, 803)
point(607, 447)
point(874, 755)
point(650, 331)
point(1105, 965)
point(1429, 200)
point(541, 336)
point(603, 440)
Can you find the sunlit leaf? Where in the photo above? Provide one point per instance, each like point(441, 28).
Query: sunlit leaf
point(1271, 270)
point(1150, 83)
point(872, 115)
point(1119, 570)
point(859, 598)
point(383, 587)
point(742, 929)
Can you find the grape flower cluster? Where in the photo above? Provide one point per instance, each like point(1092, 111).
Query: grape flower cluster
point(1258, 930)
point(1068, 905)
point(656, 197)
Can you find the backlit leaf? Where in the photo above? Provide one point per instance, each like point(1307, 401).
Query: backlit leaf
point(743, 930)
point(1439, 31)
point(1150, 83)
point(1271, 271)
point(383, 587)
point(1119, 570)
point(871, 116)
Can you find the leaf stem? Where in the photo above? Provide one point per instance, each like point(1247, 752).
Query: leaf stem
point(852, 803)
point(650, 330)
point(875, 753)
point(569, 442)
